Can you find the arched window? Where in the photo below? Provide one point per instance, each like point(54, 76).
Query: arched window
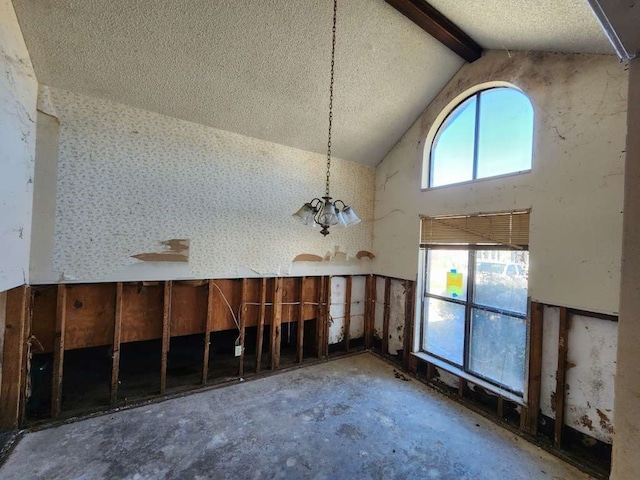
point(488, 134)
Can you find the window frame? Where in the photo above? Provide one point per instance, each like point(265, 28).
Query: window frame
point(469, 304)
point(441, 121)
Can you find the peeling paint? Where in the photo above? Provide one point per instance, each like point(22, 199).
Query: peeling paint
point(336, 256)
point(307, 257)
point(177, 250)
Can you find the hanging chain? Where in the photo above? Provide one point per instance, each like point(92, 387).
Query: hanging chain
point(333, 56)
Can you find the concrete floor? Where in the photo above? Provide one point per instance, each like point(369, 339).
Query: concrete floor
point(349, 418)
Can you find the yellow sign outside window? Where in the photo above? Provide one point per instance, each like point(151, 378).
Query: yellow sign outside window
point(454, 283)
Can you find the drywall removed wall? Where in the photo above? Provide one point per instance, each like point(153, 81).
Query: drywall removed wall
point(591, 365)
point(130, 183)
point(574, 189)
point(337, 309)
point(18, 92)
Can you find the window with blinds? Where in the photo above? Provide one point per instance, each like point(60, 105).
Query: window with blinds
point(474, 308)
point(509, 229)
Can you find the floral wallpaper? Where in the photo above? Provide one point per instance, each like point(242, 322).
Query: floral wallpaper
point(129, 179)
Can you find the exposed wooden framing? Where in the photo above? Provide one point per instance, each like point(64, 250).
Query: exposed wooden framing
point(347, 312)
point(14, 368)
point(300, 343)
point(409, 314)
point(243, 319)
point(261, 317)
point(166, 334)
point(321, 318)
point(500, 408)
point(370, 310)
point(207, 332)
point(462, 387)
point(25, 359)
point(367, 306)
point(563, 345)
point(530, 414)
point(385, 317)
point(599, 316)
point(430, 371)
point(439, 27)
point(327, 315)
point(58, 351)
point(276, 323)
point(115, 356)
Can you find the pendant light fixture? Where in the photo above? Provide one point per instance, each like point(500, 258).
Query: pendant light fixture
point(325, 212)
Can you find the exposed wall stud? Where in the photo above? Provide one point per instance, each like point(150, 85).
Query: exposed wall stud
point(14, 369)
point(370, 317)
point(166, 334)
point(243, 321)
point(300, 343)
point(115, 356)
point(462, 387)
point(207, 332)
point(347, 313)
point(430, 371)
point(530, 414)
point(58, 351)
point(563, 345)
point(261, 318)
point(327, 314)
point(320, 318)
point(276, 323)
point(385, 318)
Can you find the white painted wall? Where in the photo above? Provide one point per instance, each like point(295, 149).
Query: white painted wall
point(128, 179)
point(574, 190)
point(18, 92)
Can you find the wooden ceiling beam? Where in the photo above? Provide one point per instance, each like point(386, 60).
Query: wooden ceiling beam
point(440, 27)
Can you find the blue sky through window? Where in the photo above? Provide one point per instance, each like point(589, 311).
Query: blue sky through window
point(505, 138)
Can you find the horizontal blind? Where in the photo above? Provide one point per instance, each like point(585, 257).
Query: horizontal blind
point(509, 229)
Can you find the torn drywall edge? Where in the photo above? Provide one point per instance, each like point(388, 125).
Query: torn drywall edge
point(176, 250)
point(337, 256)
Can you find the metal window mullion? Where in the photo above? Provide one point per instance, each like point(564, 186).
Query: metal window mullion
point(506, 313)
point(471, 264)
point(445, 299)
point(476, 137)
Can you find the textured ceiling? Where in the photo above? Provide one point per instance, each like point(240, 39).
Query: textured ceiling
point(261, 67)
point(258, 68)
point(543, 25)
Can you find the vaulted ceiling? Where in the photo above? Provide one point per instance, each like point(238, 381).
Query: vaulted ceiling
point(261, 68)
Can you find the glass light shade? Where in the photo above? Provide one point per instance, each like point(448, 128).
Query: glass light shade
point(348, 217)
point(328, 216)
point(305, 214)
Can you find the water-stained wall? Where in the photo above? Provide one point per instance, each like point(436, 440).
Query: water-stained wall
point(145, 196)
point(574, 191)
point(574, 188)
point(18, 91)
